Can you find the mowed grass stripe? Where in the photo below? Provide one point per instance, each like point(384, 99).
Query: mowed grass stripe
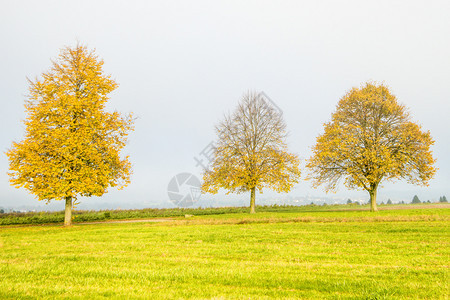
point(194, 259)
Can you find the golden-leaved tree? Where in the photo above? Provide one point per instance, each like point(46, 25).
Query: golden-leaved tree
point(371, 138)
point(250, 152)
point(72, 145)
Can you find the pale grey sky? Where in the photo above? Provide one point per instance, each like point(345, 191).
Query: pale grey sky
point(182, 64)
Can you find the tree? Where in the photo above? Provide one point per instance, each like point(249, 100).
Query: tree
point(443, 199)
point(251, 152)
point(371, 138)
point(389, 202)
point(349, 201)
point(415, 200)
point(72, 145)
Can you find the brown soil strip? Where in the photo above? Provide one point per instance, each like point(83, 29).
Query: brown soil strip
point(125, 221)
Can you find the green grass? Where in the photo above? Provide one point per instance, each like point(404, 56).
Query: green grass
point(392, 254)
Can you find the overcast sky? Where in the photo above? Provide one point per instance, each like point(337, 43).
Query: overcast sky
point(182, 64)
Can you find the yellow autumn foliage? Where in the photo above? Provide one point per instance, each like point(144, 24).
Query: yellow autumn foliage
point(251, 152)
point(72, 145)
point(371, 138)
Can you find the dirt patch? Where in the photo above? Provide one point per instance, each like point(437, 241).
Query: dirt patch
point(425, 206)
point(125, 221)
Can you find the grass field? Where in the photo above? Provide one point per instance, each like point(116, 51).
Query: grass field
point(392, 254)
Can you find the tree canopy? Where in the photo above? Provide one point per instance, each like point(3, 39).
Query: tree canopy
point(72, 145)
point(415, 200)
point(371, 138)
point(251, 152)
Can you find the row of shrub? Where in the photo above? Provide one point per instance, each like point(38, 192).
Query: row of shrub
point(92, 216)
point(88, 216)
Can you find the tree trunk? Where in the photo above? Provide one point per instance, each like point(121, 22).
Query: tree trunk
point(68, 213)
point(373, 197)
point(252, 200)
